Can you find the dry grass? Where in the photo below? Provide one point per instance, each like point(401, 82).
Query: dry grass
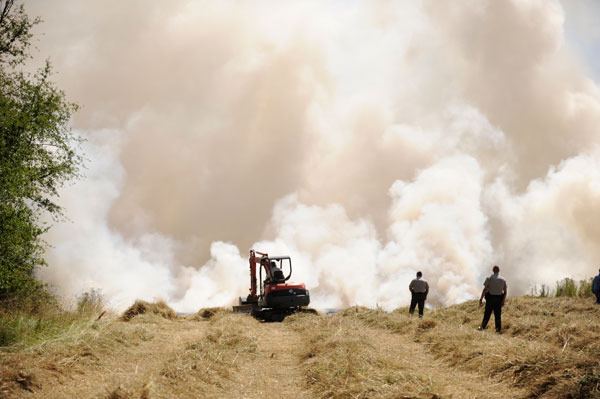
point(550, 346)
point(207, 365)
point(75, 350)
point(381, 319)
point(139, 307)
point(34, 322)
point(209, 313)
point(121, 392)
point(342, 360)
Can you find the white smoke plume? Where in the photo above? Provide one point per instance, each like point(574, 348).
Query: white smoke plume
point(366, 139)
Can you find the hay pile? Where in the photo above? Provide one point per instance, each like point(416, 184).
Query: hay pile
point(209, 313)
point(139, 307)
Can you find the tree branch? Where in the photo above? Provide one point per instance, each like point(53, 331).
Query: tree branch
point(5, 10)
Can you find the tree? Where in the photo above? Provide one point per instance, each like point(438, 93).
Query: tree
point(37, 153)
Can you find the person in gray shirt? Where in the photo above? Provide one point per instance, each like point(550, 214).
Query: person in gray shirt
point(494, 291)
point(419, 290)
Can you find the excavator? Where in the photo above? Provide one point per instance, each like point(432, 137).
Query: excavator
point(276, 298)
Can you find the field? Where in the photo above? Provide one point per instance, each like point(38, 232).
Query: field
point(549, 349)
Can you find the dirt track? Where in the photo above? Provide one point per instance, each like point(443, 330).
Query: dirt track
point(234, 357)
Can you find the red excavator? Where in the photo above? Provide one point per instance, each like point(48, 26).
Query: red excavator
point(277, 298)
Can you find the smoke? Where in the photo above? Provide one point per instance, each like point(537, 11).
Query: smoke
point(367, 140)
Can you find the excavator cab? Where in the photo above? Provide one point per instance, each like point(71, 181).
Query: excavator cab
point(274, 267)
point(276, 297)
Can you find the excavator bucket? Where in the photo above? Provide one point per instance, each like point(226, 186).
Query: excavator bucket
point(246, 305)
point(247, 308)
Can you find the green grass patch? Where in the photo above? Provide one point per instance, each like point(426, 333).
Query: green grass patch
point(27, 324)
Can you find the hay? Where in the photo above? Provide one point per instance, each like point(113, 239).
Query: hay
point(142, 307)
point(341, 359)
point(124, 393)
point(550, 349)
point(209, 313)
point(206, 366)
point(427, 324)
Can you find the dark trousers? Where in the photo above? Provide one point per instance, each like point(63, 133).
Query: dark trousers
point(598, 297)
point(493, 303)
point(418, 298)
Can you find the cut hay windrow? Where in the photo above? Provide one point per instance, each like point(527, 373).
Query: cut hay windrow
point(209, 313)
point(142, 307)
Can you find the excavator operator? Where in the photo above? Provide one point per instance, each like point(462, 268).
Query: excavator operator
point(277, 273)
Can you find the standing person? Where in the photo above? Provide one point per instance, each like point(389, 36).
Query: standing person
point(596, 287)
point(494, 291)
point(419, 290)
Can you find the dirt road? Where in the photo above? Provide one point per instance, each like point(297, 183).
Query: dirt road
point(233, 356)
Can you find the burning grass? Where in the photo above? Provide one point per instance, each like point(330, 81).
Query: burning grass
point(139, 307)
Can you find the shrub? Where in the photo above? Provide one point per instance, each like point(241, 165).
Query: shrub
point(585, 288)
point(570, 288)
point(566, 287)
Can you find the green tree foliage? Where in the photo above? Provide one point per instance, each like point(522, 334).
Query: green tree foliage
point(37, 153)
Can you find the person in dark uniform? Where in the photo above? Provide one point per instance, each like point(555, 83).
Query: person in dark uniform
point(494, 292)
point(596, 287)
point(419, 290)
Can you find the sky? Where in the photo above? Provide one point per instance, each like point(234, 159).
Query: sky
point(366, 139)
point(583, 33)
